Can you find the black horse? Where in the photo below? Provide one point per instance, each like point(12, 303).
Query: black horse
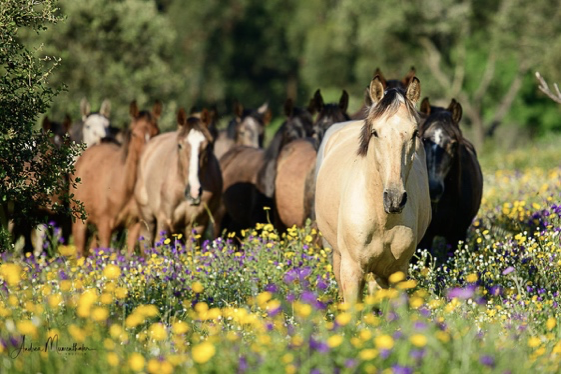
point(455, 178)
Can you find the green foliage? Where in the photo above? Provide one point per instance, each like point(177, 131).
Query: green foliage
point(119, 50)
point(32, 169)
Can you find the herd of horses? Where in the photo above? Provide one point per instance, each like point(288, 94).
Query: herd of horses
point(378, 183)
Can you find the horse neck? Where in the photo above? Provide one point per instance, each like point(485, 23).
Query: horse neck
point(131, 151)
point(453, 179)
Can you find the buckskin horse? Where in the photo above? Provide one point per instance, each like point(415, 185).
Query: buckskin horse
point(372, 199)
point(179, 182)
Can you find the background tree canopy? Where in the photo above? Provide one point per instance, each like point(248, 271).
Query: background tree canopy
point(213, 52)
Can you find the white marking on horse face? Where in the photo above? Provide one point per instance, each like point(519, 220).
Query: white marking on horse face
point(439, 138)
point(195, 138)
point(251, 126)
point(94, 129)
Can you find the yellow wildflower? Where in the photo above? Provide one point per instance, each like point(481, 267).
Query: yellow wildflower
point(203, 352)
point(384, 342)
point(136, 362)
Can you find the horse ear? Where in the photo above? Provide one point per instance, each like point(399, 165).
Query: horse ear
point(206, 117)
point(317, 102)
point(344, 101)
point(267, 116)
point(407, 79)
point(288, 107)
point(105, 109)
point(67, 123)
point(133, 109)
point(157, 109)
point(181, 117)
point(238, 109)
point(263, 108)
point(213, 114)
point(414, 90)
point(85, 108)
point(378, 73)
point(425, 106)
point(46, 124)
point(376, 89)
point(456, 109)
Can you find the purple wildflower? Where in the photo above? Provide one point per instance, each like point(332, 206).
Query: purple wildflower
point(461, 293)
point(397, 369)
point(508, 270)
point(487, 361)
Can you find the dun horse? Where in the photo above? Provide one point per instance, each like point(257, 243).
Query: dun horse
point(455, 178)
point(108, 175)
point(295, 177)
point(94, 125)
point(372, 198)
point(179, 183)
point(247, 128)
point(249, 173)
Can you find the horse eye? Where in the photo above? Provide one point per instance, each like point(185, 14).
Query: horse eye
point(415, 134)
point(179, 146)
point(375, 133)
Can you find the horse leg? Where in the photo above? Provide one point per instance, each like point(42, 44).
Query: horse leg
point(79, 230)
point(336, 262)
point(132, 237)
point(351, 280)
point(104, 233)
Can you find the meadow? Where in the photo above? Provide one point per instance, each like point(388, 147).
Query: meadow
point(204, 306)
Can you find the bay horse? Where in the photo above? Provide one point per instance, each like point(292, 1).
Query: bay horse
point(179, 181)
point(455, 177)
point(249, 173)
point(387, 83)
point(372, 199)
point(246, 128)
point(94, 126)
point(295, 177)
point(108, 174)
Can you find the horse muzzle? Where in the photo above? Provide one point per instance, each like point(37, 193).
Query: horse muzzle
point(193, 200)
point(394, 201)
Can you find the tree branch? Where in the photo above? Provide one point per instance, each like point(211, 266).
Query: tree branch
point(544, 87)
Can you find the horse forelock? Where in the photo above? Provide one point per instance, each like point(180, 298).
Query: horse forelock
point(386, 107)
point(194, 123)
point(443, 120)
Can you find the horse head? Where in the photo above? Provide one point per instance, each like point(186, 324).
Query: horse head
point(441, 136)
point(328, 114)
point(95, 124)
point(248, 127)
point(59, 130)
point(299, 121)
point(389, 137)
point(144, 125)
point(194, 143)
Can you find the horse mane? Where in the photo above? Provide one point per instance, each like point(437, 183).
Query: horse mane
point(387, 106)
point(329, 111)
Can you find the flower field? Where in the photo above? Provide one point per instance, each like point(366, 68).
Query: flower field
point(272, 307)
